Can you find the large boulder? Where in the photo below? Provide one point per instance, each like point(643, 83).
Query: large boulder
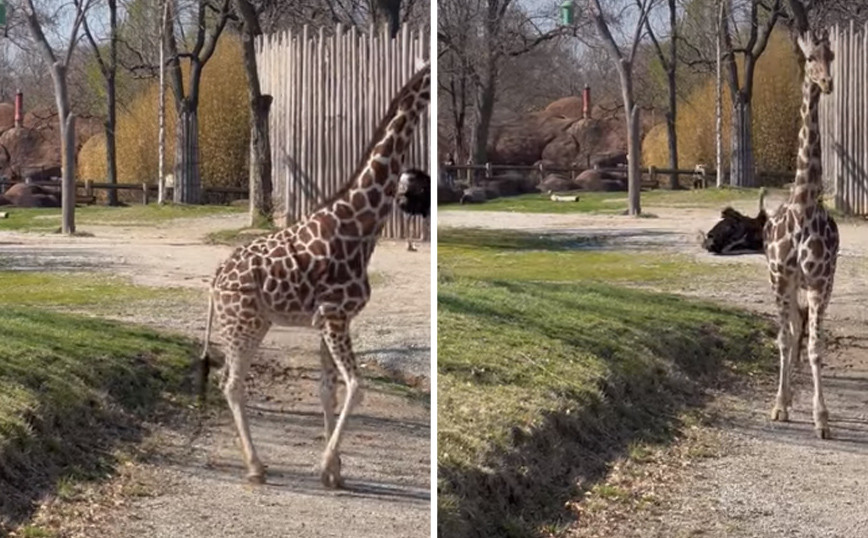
point(24, 195)
point(556, 183)
point(559, 136)
point(596, 180)
point(448, 195)
point(33, 150)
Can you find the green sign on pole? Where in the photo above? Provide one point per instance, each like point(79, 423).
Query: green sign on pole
point(567, 12)
point(2, 13)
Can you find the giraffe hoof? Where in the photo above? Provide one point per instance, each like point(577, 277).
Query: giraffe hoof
point(331, 473)
point(780, 415)
point(331, 480)
point(256, 478)
point(823, 432)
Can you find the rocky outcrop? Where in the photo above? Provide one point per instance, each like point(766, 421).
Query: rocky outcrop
point(23, 195)
point(33, 150)
point(559, 137)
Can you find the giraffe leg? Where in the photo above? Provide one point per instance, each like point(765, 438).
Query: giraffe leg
point(237, 364)
point(328, 388)
point(787, 305)
point(816, 309)
point(336, 334)
point(798, 329)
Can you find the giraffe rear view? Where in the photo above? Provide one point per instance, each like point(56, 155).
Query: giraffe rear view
point(314, 273)
point(801, 244)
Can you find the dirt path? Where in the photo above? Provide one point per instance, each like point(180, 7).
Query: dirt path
point(766, 479)
point(191, 482)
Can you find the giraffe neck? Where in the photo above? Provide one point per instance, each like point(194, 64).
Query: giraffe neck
point(809, 169)
point(368, 199)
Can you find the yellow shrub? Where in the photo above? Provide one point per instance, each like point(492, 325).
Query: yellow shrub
point(223, 128)
point(775, 108)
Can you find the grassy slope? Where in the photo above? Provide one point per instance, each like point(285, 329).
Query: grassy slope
point(72, 386)
point(613, 202)
point(48, 219)
point(542, 381)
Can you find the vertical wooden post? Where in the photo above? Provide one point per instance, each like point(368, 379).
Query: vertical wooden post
point(88, 188)
point(145, 193)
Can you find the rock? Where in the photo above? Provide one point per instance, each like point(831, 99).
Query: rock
point(610, 160)
point(448, 195)
point(595, 180)
point(33, 150)
point(558, 136)
point(23, 195)
point(555, 183)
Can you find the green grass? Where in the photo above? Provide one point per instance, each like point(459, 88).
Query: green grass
point(24, 288)
point(613, 202)
point(71, 387)
point(473, 252)
point(48, 219)
point(544, 378)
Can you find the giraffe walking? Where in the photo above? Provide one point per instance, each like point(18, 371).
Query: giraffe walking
point(314, 273)
point(801, 243)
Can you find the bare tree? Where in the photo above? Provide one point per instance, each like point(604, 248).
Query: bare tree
point(669, 64)
point(187, 187)
point(482, 34)
point(741, 89)
point(260, 105)
point(59, 61)
point(623, 57)
point(108, 66)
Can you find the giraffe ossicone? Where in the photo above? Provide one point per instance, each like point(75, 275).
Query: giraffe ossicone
point(314, 273)
point(801, 244)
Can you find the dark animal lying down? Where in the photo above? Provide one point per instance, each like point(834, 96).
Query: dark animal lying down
point(737, 233)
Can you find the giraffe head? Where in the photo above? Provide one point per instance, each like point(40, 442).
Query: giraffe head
point(818, 59)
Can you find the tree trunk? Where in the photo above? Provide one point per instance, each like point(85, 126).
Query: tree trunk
point(261, 195)
point(110, 147)
point(260, 161)
point(484, 110)
point(391, 10)
point(741, 164)
point(68, 188)
point(634, 158)
point(672, 114)
point(634, 148)
point(187, 181)
point(670, 130)
point(66, 122)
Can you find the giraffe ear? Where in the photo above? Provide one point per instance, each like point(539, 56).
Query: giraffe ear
point(806, 44)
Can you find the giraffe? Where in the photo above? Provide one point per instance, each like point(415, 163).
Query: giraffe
point(801, 243)
point(314, 273)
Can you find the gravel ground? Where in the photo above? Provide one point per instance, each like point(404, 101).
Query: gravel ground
point(191, 482)
point(764, 479)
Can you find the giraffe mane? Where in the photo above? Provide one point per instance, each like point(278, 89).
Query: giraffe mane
point(378, 134)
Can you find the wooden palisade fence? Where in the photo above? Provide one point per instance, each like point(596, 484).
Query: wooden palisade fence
point(330, 93)
point(844, 122)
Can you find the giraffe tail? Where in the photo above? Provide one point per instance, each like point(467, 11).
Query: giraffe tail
point(204, 362)
point(762, 198)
